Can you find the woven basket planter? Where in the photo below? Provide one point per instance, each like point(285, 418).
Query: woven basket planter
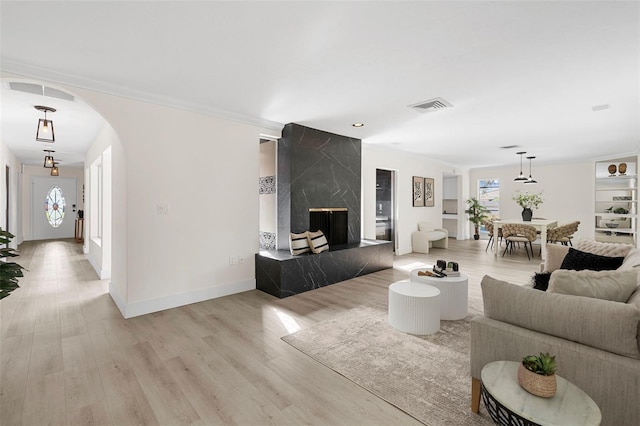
point(537, 384)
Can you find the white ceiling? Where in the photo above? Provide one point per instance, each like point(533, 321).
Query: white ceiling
point(517, 73)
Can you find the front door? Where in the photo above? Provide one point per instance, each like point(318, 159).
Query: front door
point(53, 204)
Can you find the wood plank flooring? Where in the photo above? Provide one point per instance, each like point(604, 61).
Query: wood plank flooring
point(69, 358)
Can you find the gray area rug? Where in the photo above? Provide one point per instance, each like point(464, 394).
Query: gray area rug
point(427, 377)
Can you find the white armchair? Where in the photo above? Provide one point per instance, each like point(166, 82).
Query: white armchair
point(427, 236)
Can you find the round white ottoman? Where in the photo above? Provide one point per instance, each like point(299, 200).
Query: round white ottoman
point(454, 293)
point(414, 307)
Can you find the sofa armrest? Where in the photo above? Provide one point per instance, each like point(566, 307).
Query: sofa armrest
point(612, 380)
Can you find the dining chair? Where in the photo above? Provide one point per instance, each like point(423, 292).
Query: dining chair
point(488, 224)
point(519, 233)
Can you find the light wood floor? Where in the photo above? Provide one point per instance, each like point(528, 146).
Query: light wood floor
point(68, 357)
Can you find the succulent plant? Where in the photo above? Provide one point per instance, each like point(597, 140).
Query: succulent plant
point(543, 364)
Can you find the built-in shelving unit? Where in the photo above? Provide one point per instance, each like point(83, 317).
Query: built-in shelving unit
point(616, 200)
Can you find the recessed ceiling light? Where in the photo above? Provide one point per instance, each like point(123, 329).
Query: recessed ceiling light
point(358, 124)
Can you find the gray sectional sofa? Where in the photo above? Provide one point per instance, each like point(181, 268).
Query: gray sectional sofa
point(596, 342)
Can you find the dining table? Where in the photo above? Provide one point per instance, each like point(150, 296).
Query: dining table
point(541, 225)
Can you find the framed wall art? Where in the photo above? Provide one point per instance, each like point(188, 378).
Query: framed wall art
point(417, 189)
point(429, 192)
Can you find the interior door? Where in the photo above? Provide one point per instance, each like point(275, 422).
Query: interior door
point(53, 206)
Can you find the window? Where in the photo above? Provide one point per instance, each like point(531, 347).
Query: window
point(54, 205)
point(489, 196)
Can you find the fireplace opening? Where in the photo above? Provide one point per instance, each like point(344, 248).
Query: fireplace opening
point(333, 222)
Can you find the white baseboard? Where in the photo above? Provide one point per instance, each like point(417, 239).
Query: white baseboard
point(103, 274)
point(144, 307)
point(117, 298)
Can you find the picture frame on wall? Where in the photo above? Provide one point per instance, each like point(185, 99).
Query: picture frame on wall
point(417, 189)
point(429, 192)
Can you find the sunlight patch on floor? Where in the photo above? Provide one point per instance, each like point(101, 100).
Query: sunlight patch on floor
point(288, 321)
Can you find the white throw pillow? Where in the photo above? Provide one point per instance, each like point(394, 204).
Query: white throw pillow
point(616, 286)
point(318, 242)
point(299, 243)
point(603, 249)
point(555, 256)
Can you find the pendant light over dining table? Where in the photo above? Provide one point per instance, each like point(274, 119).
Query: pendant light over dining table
point(521, 177)
point(530, 180)
point(45, 133)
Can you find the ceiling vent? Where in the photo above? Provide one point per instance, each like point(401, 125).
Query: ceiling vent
point(431, 105)
point(38, 89)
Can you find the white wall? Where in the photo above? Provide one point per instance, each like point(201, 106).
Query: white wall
point(99, 252)
point(567, 190)
point(8, 159)
point(406, 166)
point(205, 169)
point(28, 172)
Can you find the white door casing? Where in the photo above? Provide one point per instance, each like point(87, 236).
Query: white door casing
point(40, 226)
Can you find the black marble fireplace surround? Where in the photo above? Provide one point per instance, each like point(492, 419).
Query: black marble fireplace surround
point(281, 274)
point(317, 169)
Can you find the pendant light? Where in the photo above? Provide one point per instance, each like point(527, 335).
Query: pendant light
point(521, 177)
point(54, 169)
point(530, 180)
point(48, 159)
point(45, 127)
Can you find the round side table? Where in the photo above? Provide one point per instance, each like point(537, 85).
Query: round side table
point(509, 404)
point(454, 293)
point(414, 307)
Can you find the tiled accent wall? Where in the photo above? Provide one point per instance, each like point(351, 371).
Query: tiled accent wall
point(267, 240)
point(316, 169)
point(267, 185)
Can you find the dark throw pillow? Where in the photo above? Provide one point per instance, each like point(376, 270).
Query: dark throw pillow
point(579, 260)
point(541, 280)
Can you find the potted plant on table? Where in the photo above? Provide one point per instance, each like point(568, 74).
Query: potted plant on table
point(527, 202)
point(477, 214)
point(536, 374)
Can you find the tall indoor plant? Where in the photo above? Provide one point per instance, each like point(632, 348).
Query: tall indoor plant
point(477, 214)
point(9, 271)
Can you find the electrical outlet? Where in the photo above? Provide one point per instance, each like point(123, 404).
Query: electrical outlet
point(240, 260)
point(232, 260)
point(163, 208)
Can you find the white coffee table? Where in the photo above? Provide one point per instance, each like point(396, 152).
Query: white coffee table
point(414, 307)
point(454, 293)
point(509, 404)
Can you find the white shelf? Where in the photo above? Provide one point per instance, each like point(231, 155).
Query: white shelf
point(616, 186)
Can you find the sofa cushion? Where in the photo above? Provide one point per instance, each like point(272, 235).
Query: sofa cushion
point(615, 286)
point(631, 261)
point(299, 243)
point(603, 249)
point(579, 260)
point(555, 255)
point(541, 280)
point(318, 241)
point(602, 324)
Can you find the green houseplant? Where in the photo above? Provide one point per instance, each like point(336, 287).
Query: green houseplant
point(536, 374)
point(477, 214)
point(9, 271)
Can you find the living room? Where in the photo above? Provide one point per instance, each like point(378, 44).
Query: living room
point(202, 163)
